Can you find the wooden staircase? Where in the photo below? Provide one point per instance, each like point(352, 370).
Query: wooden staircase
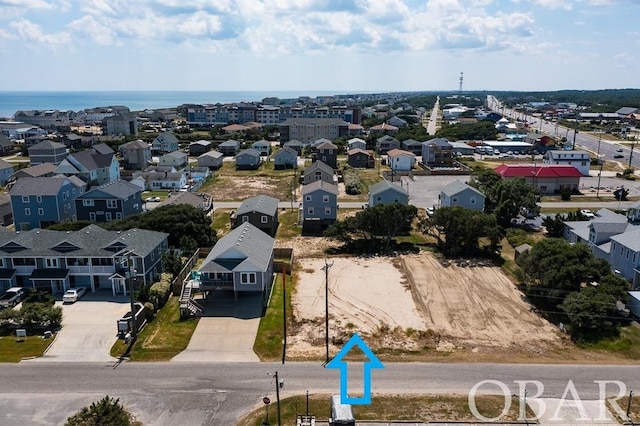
point(188, 306)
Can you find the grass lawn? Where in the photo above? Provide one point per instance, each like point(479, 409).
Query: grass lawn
point(627, 345)
point(288, 227)
point(221, 222)
point(268, 344)
point(421, 408)
point(161, 339)
point(12, 350)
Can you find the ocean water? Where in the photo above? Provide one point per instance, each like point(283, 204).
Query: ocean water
point(10, 102)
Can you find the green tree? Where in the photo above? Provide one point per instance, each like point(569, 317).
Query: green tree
point(458, 230)
point(512, 197)
point(553, 268)
point(40, 315)
point(107, 411)
point(172, 262)
point(591, 313)
point(178, 221)
point(377, 226)
point(486, 181)
point(554, 225)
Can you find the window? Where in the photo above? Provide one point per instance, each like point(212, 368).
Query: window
point(621, 250)
point(307, 197)
point(92, 216)
point(51, 262)
point(378, 198)
point(27, 211)
point(310, 210)
point(245, 219)
point(112, 204)
point(614, 246)
point(327, 210)
point(25, 198)
point(40, 212)
point(627, 253)
point(39, 198)
point(634, 258)
point(454, 199)
point(118, 215)
point(472, 200)
point(264, 219)
point(325, 198)
point(87, 203)
point(248, 278)
point(396, 199)
point(107, 216)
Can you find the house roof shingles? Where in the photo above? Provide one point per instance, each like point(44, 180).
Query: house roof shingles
point(259, 204)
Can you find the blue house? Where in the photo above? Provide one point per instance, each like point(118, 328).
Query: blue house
point(93, 258)
point(460, 194)
point(96, 166)
point(42, 201)
point(6, 170)
point(109, 202)
point(241, 261)
point(319, 207)
point(386, 192)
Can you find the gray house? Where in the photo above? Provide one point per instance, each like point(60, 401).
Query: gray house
point(286, 158)
point(261, 211)
point(211, 159)
point(319, 207)
point(199, 147)
point(460, 194)
point(327, 152)
point(294, 144)
point(248, 159)
point(135, 154)
point(263, 146)
point(92, 258)
point(112, 201)
point(47, 151)
point(318, 171)
point(229, 148)
point(386, 192)
point(241, 261)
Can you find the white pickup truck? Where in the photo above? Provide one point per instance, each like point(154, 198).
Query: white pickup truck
point(11, 297)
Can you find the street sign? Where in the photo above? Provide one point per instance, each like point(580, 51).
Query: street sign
point(266, 400)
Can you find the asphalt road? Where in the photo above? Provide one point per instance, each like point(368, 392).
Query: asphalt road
point(219, 394)
point(606, 148)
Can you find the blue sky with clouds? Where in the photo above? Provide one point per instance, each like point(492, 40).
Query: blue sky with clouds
point(342, 45)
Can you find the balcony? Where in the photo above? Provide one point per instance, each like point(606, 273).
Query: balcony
point(216, 285)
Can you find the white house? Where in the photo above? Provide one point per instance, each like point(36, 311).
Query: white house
point(356, 143)
point(400, 160)
point(578, 159)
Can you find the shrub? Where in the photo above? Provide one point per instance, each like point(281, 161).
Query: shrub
point(40, 315)
point(107, 411)
point(159, 293)
point(149, 310)
point(38, 296)
point(352, 182)
point(517, 236)
point(565, 194)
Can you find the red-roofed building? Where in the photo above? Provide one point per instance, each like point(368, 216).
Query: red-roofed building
point(549, 179)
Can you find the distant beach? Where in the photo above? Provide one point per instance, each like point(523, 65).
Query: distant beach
point(10, 102)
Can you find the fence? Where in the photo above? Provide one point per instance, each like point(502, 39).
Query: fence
point(176, 284)
point(282, 258)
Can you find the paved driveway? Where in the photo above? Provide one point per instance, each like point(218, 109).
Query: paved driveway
point(424, 190)
point(88, 329)
point(227, 330)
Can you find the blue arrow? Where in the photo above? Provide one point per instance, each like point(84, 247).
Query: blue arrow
point(372, 362)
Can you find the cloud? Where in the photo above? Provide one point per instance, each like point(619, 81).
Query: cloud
point(99, 33)
point(30, 32)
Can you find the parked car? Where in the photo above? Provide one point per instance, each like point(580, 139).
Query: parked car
point(73, 295)
point(430, 211)
point(12, 297)
point(587, 213)
point(618, 156)
point(152, 199)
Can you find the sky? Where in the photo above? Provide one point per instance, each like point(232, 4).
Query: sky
point(341, 45)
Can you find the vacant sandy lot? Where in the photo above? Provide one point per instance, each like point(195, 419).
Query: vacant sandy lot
point(413, 301)
point(474, 305)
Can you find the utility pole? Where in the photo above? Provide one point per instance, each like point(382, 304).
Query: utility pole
point(629, 403)
point(575, 132)
point(326, 268)
point(132, 271)
point(284, 312)
point(633, 143)
point(278, 397)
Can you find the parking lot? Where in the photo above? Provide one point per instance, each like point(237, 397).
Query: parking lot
point(424, 190)
point(88, 329)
